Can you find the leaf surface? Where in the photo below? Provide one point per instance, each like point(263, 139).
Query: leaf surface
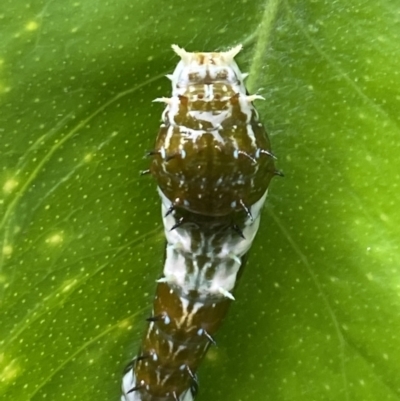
point(317, 310)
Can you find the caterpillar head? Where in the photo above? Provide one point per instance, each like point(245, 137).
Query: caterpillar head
point(206, 68)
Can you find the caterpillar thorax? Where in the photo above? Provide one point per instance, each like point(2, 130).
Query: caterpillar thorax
point(211, 155)
point(212, 162)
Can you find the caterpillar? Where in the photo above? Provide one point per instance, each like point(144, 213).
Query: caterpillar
point(213, 164)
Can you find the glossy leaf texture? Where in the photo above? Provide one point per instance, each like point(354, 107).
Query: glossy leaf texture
point(318, 307)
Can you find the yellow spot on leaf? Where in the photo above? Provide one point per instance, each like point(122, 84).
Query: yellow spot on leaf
point(7, 250)
point(125, 324)
point(55, 239)
point(384, 217)
point(68, 285)
point(9, 371)
point(10, 185)
point(31, 26)
point(88, 157)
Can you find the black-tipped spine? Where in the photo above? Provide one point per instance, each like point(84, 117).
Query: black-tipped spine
point(178, 223)
point(212, 341)
point(246, 209)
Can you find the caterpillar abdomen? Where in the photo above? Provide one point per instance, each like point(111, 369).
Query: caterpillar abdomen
point(213, 164)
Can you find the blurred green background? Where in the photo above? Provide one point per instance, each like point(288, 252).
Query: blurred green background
point(317, 314)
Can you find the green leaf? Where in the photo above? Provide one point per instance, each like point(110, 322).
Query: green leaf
point(317, 310)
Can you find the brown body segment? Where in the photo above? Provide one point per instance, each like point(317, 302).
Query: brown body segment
point(180, 344)
point(184, 324)
point(211, 170)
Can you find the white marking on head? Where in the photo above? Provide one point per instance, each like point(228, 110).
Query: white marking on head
point(182, 53)
point(232, 53)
